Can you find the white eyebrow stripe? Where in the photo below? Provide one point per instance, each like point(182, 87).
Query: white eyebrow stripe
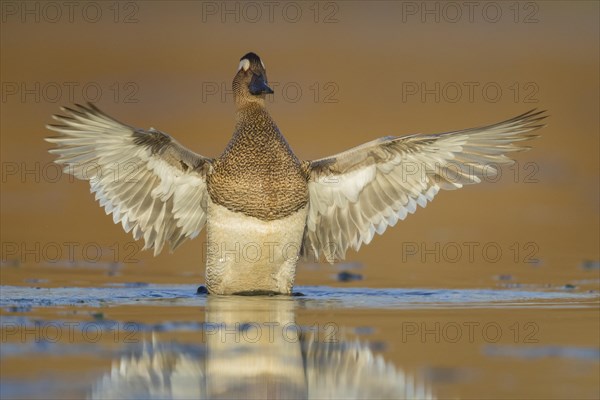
point(245, 64)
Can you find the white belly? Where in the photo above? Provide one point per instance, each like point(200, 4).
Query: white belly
point(246, 254)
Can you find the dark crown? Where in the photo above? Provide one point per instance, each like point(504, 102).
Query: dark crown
point(252, 57)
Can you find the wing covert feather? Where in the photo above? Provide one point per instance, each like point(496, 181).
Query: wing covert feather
point(362, 191)
point(152, 185)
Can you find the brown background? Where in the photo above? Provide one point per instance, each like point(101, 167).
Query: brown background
point(164, 56)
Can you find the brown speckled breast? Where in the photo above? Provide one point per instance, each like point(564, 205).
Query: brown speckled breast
point(258, 174)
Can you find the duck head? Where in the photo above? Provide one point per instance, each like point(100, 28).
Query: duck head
point(250, 83)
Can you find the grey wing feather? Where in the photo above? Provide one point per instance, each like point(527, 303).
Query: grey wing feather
point(152, 185)
point(362, 191)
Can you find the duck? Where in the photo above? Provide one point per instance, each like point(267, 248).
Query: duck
point(264, 209)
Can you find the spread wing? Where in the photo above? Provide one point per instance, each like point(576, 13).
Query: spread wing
point(150, 183)
point(362, 191)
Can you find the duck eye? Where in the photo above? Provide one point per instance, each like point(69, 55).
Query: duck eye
point(244, 64)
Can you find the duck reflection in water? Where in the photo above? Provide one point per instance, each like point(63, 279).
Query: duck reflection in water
point(253, 349)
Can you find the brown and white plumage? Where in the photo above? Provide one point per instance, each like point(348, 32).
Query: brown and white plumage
point(258, 193)
point(362, 191)
point(150, 183)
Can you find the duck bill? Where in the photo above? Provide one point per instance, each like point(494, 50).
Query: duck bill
point(259, 86)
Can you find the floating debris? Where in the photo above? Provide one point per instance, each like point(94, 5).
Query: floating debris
point(135, 284)
point(18, 309)
point(13, 262)
point(98, 316)
point(346, 276)
point(589, 264)
point(36, 280)
point(536, 352)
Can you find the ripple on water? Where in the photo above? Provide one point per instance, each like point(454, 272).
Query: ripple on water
point(22, 298)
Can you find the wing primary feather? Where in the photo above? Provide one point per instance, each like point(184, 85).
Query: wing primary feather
point(96, 147)
point(384, 180)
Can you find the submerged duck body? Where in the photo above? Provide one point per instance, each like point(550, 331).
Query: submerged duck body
point(263, 207)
